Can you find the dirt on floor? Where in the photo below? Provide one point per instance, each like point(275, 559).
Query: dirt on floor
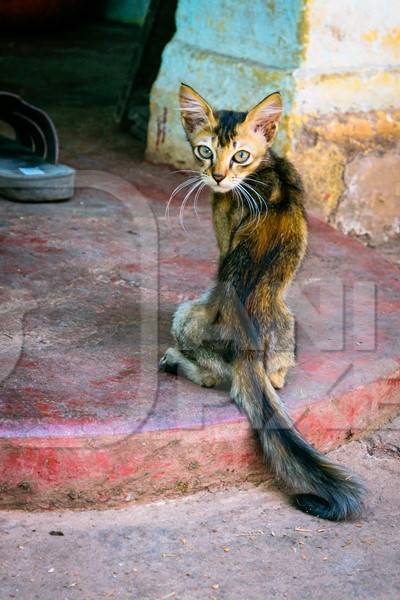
point(237, 544)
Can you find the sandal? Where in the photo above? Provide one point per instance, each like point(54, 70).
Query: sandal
point(29, 168)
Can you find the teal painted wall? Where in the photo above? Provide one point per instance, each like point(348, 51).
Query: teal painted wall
point(126, 11)
point(264, 31)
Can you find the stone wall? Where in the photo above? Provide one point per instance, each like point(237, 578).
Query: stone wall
point(337, 65)
point(345, 129)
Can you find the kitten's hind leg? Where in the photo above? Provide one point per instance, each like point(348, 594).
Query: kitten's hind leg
point(175, 362)
point(277, 378)
point(280, 347)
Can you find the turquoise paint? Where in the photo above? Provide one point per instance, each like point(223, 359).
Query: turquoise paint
point(224, 81)
point(264, 31)
point(127, 11)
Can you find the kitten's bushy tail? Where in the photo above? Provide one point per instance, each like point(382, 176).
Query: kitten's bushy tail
point(316, 485)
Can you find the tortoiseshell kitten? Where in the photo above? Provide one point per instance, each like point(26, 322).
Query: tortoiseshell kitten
point(240, 332)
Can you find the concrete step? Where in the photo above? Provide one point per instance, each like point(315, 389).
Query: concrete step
point(88, 290)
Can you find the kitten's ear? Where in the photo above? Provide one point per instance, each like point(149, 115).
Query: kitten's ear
point(195, 112)
point(265, 116)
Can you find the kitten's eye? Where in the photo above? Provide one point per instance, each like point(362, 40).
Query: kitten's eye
point(204, 152)
point(241, 156)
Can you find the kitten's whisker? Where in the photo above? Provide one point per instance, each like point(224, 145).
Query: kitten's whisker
point(257, 208)
point(196, 197)
point(250, 201)
point(256, 181)
point(178, 188)
point(174, 193)
point(183, 204)
point(238, 199)
point(182, 208)
point(251, 188)
point(253, 204)
point(199, 185)
point(182, 185)
point(238, 190)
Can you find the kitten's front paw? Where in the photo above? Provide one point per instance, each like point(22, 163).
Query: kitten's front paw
point(208, 380)
point(168, 364)
point(163, 362)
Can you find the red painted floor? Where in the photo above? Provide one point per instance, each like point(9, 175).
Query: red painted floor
point(88, 289)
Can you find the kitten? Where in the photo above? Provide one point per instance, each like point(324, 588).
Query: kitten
point(241, 333)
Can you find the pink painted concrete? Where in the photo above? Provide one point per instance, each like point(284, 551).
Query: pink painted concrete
point(85, 418)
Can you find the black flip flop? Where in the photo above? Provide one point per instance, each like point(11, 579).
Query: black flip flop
point(29, 168)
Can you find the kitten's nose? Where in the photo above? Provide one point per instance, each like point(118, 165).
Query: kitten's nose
point(218, 177)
